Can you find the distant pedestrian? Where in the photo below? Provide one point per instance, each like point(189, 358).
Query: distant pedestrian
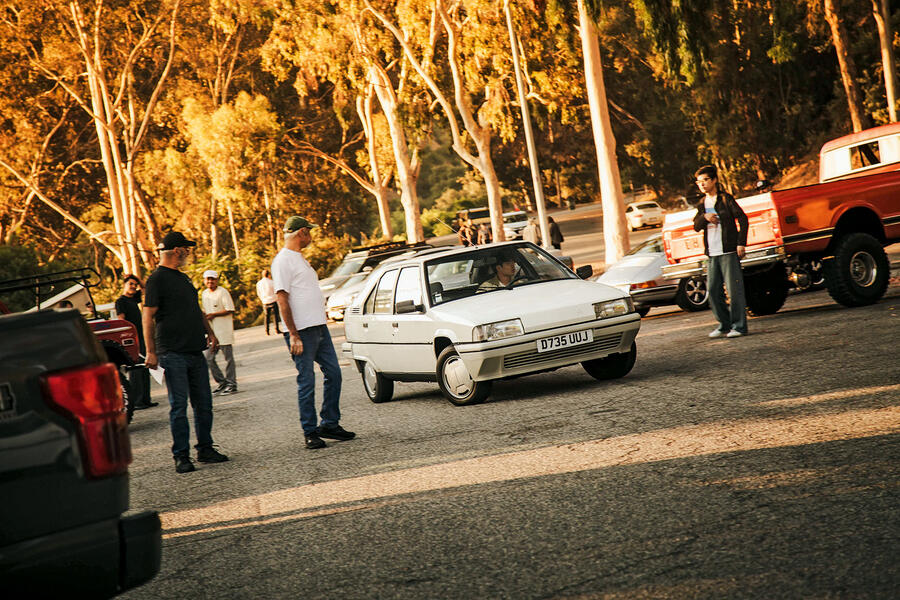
point(725, 244)
point(531, 232)
point(303, 310)
point(484, 234)
point(265, 289)
point(219, 310)
point(175, 327)
point(466, 233)
point(128, 308)
point(556, 236)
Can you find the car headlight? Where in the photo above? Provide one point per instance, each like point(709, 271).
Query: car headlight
point(497, 331)
point(613, 308)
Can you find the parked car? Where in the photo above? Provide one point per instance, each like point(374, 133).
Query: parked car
point(513, 224)
point(640, 273)
point(643, 214)
point(360, 258)
point(430, 317)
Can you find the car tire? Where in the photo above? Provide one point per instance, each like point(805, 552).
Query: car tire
point(858, 274)
point(378, 387)
point(455, 382)
point(613, 366)
point(642, 310)
point(766, 291)
point(692, 294)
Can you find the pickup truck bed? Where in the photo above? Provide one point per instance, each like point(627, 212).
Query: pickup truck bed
point(64, 455)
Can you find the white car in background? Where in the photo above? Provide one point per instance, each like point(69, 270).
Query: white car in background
point(639, 273)
point(513, 224)
point(341, 298)
point(643, 214)
point(431, 317)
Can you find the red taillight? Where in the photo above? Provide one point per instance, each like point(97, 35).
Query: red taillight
point(643, 285)
point(92, 398)
point(667, 246)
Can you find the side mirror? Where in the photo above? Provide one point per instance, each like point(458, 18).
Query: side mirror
point(408, 306)
point(584, 271)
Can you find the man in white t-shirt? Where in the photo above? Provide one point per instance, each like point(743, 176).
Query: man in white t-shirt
point(219, 308)
point(302, 308)
point(724, 226)
point(265, 289)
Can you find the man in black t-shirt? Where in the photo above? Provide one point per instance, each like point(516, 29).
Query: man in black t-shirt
point(127, 308)
point(176, 330)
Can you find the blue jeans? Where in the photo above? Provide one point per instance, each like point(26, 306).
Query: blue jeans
point(726, 269)
point(317, 347)
point(187, 373)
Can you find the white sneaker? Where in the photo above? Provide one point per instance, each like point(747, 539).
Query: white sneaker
point(734, 333)
point(717, 333)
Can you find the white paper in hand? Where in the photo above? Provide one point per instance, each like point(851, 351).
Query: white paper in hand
point(158, 374)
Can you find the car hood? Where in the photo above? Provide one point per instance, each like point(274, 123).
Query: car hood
point(538, 305)
point(634, 269)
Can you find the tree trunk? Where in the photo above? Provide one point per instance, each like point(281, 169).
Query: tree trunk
point(406, 173)
point(615, 234)
point(846, 64)
point(379, 183)
point(234, 237)
point(882, 13)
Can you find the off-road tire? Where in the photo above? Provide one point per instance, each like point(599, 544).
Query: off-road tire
point(127, 396)
point(455, 382)
point(378, 387)
point(613, 366)
point(692, 294)
point(766, 291)
point(858, 274)
point(643, 310)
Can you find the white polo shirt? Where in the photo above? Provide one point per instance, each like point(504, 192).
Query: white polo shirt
point(294, 275)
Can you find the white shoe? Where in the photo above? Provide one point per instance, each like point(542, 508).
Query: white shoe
point(717, 333)
point(734, 333)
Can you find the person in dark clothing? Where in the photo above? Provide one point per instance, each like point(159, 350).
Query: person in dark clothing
point(176, 330)
point(556, 236)
point(724, 226)
point(127, 307)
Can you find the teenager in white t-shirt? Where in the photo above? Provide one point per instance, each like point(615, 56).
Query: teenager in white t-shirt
point(302, 308)
point(724, 226)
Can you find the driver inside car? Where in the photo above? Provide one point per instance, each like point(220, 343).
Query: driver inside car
point(504, 273)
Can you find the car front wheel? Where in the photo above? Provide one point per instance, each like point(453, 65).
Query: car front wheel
point(613, 366)
point(455, 381)
point(378, 387)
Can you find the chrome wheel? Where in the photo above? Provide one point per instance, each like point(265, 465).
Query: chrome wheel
point(863, 269)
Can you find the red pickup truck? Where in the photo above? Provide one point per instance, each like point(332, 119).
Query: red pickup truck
point(836, 229)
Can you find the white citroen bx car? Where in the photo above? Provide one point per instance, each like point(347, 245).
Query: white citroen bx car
point(447, 316)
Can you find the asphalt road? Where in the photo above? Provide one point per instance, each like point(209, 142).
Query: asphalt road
point(757, 467)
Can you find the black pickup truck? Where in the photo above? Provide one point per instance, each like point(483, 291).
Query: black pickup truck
point(64, 456)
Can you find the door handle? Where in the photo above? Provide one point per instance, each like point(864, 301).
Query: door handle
point(395, 325)
point(365, 325)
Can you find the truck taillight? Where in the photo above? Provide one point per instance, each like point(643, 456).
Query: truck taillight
point(92, 398)
point(776, 227)
point(667, 246)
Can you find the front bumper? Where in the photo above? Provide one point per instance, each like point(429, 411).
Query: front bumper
point(519, 356)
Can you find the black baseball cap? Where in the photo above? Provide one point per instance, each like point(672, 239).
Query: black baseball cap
point(175, 239)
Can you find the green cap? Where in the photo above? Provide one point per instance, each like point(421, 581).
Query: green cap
point(294, 223)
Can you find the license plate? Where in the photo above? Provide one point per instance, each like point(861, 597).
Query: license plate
point(576, 338)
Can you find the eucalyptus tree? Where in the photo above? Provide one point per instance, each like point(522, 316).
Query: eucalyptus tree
point(335, 41)
point(113, 62)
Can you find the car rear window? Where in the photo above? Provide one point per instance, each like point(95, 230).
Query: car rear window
point(648, 205)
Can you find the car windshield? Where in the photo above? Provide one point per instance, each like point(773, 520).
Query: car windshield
point(490, 269)
point(514, 217)
point(648, 205)
point(653, 244)
point(349, 267)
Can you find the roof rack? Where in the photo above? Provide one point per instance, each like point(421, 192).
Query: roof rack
point(387, 246)
point(85, 276)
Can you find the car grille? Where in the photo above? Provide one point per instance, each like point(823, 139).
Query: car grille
point(533, 357)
